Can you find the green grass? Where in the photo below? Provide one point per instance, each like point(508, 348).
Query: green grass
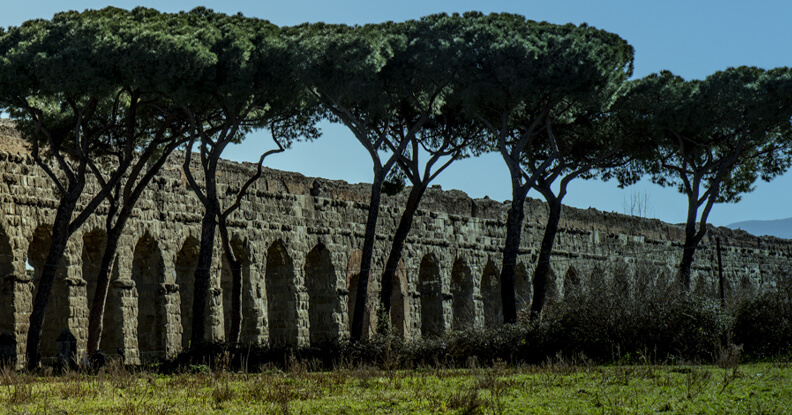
point(554, 388)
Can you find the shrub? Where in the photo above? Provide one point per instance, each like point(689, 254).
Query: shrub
point(607, 320)
point(763, 324)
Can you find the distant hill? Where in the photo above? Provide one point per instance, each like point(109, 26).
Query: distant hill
point(781, 228)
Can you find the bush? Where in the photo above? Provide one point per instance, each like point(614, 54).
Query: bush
point(607, 320)
point(763, 324)
point(511, 343)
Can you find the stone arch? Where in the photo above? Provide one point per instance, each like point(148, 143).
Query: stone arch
point(523, 287)
point(597, 278)
point(93, 247)
point(56, 318)
point(148, 273)
point(462, 292)
point(249, 330)
point(352, 278)
point(571, 281)
point(7, 285)
point(667, 276)
point(621, 274)
point(431, 290)
point(705, 285)
point(184, 273)
point(94, 244)
point(281, 296)
point(743, 284)
point(491, 295)
point(551, 289)
point(646, 275)
point(400, 304)
point(320, 281)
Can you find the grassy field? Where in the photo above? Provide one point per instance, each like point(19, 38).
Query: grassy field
point(553, 388)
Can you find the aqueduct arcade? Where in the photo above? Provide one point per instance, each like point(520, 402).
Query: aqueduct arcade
point(299, 239)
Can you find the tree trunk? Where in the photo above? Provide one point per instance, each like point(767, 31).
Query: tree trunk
point(543, 264)
point(511, 248)
point(235, 331)
point(691, 241)
point(399, 238)
point(60, 237)
point(685, 265)
point(96, 319)
point(235, 266)
point(361, 298)
point(203, 273)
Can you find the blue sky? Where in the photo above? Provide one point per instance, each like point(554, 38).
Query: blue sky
point(690, 38)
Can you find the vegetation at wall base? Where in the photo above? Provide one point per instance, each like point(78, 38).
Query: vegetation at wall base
point(628, 348)
point(602, 321)
point(763, 323)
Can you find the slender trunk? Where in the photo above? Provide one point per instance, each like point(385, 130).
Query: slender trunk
point(691, 241)
point(234, 262)
point(60, 237)
point(203, 272)
point(235, 266)
point(361, 298)
point(95, 322)
point(685, 265)
point(399, 238)
point(236, 301)
point(543, 264)
point(96, 319)
point(511, 248)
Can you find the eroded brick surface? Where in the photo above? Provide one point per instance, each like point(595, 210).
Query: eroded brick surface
point(300, 241)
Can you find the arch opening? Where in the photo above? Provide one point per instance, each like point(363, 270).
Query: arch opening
point(56, 318)
point(462, 292)
point(248, 329)
point(148, 273)
point(430, 288)
point(7, 286)
point(352, 277)
point(571, 282)
point(281, 297)
point(184, 269)
point(320, 281)
point(523, 289)
point(491, 296)
point(94, 244)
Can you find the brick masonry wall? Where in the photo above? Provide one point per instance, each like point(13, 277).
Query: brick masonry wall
point(299, 238)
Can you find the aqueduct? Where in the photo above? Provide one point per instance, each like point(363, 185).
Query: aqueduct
point(299, 240)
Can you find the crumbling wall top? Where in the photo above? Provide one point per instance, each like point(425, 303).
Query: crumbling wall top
point(10, 139)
